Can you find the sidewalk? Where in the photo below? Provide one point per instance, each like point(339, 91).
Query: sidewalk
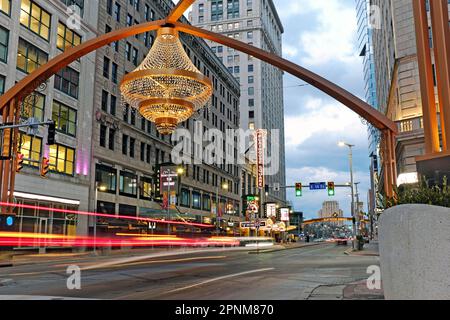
point(369, 249)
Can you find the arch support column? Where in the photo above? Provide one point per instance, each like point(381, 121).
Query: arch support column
point(389, 162)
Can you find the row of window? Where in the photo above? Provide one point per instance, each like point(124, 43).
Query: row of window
point(29, 58)
point(128, 182)
point(61, 158)
point(65, 117)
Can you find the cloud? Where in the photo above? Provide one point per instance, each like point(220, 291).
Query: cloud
point(321, 36)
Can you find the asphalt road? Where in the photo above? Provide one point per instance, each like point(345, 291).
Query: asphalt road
point(286, 274)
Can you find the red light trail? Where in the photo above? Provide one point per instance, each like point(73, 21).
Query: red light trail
point(96, 214)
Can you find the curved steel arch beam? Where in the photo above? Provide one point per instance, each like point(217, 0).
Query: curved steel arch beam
point(363, 109)
point(179, 10)
point(32, 81)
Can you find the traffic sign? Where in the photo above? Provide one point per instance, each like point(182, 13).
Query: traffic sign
point(318, 186)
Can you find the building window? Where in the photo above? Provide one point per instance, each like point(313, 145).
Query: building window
point(33, 107)
point(5, 6)
point(117, 12)
point(29, 57)
point(104, 100)
point(128, 51)
point(185, 198)
point(127, 210)
point(4, 38)
point(125, 144)
point(77, 3)
point(66, 38)
point(112, 105)
point(67, 81)
point(251, 91)
point(114, 72)
point(142, 151)
point(251, 79)
point(128, 184)
point(109, 7)
point(102, 135)
point(250, 68)
point(106, 63)
point(106, 177)
point(35, 18)
point(146, 188)
point(148, 152)
point(196, 200)
point(112, 136)
point(132, 143)
point(206, 203)
point(61, 159)
point(135, 56)
point(251, 102)
point(31, 148)
point(65, 118)
point(2, 84)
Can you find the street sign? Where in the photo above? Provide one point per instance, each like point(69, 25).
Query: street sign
point(318, 186)
point(284, 214)
point(271, 210)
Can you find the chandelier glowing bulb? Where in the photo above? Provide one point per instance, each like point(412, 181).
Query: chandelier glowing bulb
point(166, 88)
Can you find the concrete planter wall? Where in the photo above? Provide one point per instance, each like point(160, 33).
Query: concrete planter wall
point(415, 252)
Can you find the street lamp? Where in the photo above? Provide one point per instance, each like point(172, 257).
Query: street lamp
point(224, 187)
point(350, 157)
point(102, 188)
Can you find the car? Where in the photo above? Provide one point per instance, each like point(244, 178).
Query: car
point(341, 241)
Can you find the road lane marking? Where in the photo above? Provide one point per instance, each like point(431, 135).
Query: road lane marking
point(165, 254)
point(219, 278)
point(167, 261)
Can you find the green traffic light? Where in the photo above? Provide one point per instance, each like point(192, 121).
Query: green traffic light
point(331, 192)
point(298, 193)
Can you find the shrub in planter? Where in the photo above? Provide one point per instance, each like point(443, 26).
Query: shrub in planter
point(422, 193)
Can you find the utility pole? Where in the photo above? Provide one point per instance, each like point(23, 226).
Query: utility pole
point(350, 158)
point(358, 223)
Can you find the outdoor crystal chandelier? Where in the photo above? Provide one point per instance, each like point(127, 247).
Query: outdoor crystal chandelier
point(166, 88)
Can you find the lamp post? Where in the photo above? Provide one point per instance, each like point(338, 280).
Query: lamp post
point(350, 157)
point(101, 187)
point(224, 187)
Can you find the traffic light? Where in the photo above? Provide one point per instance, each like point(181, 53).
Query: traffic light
point(266, 189)
point(298, 189)
point(331, 191)
point(51, 133)
point(44, 166)
point(19, 162)
point(6, 135)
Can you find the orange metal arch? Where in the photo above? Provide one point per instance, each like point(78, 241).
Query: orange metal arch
point(33, 80)
point(9, 100)
point(379, 120)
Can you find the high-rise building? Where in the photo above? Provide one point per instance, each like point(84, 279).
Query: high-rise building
point(31, 33)
point(127, 149)
point(330, 209)
point(367, 21)
point(257, 23)
point(397, 81)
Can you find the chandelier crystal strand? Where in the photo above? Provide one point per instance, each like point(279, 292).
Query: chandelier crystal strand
point(166, 87)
